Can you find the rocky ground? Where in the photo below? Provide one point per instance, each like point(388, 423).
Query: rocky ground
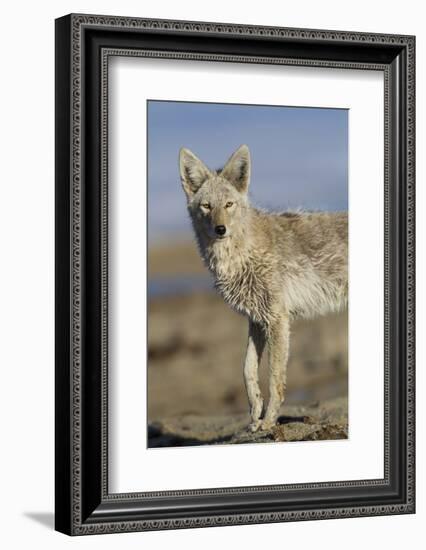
point(317, 421)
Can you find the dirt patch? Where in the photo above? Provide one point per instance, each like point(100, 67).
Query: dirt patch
point(315, 422)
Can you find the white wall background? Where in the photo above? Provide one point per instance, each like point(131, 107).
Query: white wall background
point(26, 287)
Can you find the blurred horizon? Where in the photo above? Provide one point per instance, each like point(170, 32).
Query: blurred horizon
point(299, 157)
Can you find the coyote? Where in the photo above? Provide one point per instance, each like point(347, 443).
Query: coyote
point(271, 267)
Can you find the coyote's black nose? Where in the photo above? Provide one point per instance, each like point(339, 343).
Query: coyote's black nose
point(220, 230)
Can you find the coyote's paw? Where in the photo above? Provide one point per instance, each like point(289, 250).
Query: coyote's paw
point(255, 425)
point(261, 425)
point(266, 425)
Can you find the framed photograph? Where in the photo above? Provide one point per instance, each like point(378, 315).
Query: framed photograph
point(234, 274)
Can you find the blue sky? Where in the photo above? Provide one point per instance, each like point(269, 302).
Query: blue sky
point(299, 156)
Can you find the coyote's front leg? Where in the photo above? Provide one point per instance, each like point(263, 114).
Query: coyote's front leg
point(255, 347)
point(278, 343)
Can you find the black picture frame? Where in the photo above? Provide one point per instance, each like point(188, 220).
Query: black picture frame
point(83, 45)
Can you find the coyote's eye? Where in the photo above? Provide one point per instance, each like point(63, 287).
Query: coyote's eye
point(229, 204)
point(205, 205)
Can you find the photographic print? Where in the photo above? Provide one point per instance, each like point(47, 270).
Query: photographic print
point(205, 350)
point(247, 287)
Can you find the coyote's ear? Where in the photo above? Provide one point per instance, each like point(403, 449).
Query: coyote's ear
point(193, 172)
point(237, 169)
